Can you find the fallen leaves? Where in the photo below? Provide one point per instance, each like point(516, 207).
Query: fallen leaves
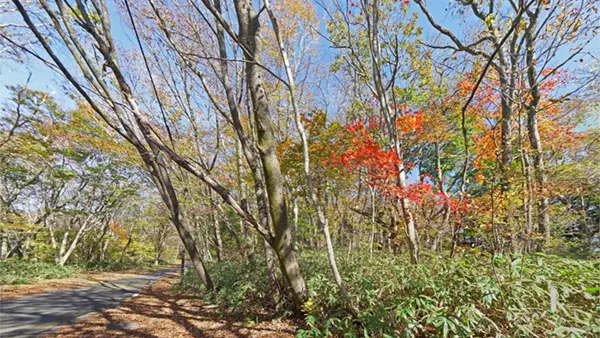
point(158, 311)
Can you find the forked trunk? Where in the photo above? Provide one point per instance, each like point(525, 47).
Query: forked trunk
point(282, 239)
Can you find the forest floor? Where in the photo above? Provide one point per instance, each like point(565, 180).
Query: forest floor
point(160, 311)
point(77, 280)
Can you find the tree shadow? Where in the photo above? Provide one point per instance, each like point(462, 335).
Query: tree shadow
point(158, 312)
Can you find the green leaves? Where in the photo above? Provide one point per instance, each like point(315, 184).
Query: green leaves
point(22, 272)
point(439, 297)
point(445, 324)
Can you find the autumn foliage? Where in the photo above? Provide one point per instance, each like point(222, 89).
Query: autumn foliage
point(364, 157)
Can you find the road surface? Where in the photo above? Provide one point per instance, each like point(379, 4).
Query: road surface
point(31, 316)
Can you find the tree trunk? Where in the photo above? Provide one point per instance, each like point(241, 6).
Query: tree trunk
point(217, 231)
point(189, 240)
point(295, 224)
point(246, 236)
point(64, 256)
point(435, 243)
point(187, 233)
point(270, 261)
point(454, 240)
point(157, 259)
point(129, 239)
point(532, 126)
point(282, 240)
point(63, 247)
point(3, 245)
point(322, 218)
point(204, 239)
point(94, 247)
point(160, 244)
point(373, 222)
point(103, 250)
point(182, 266)
point(527, 190)
point(506, 132)
point(390, 119)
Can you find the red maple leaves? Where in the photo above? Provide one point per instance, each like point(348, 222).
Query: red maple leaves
point(367, 155)
point(381, 167)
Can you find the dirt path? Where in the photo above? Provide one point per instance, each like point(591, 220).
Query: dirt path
point(159, 312)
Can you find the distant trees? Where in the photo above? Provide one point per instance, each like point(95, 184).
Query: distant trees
point(64, 180)
point(532, 42)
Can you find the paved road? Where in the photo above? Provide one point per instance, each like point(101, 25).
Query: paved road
point(30, 316)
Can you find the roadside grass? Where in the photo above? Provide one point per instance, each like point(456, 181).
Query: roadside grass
point(14, 271)
point(474, 295)
point(19, 271)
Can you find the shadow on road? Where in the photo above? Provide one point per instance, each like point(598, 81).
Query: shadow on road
point(160, 312)
point(30, 316)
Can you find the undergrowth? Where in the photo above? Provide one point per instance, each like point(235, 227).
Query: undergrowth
point(14, 271)
point(471, 296)
point(18, 271)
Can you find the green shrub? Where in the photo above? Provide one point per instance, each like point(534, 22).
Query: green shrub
point(18, 271)
point(477, 295)
point(240, 287)
point(13, 271)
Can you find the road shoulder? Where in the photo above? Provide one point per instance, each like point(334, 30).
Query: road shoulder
point(158, 311)
point(84, 279)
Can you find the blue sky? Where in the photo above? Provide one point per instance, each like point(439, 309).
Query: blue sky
point(42, 78)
